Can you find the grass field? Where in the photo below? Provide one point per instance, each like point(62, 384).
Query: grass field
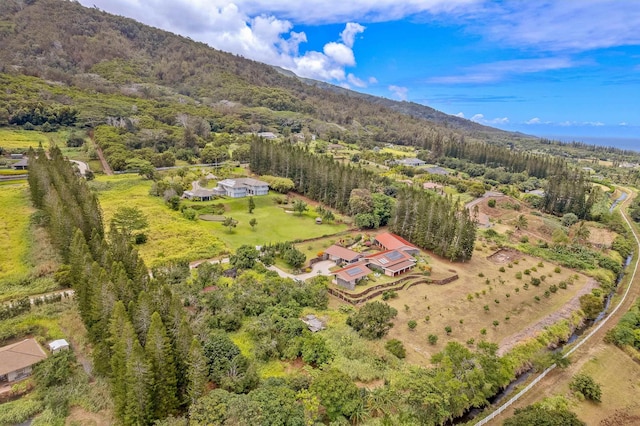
point(11, 139)
point(274, 223)
point(448, 305)
point(171, 236)
point(14, 230)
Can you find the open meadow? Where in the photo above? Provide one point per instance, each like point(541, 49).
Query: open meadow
point(15, 210)
point(18, 139)
point(171, 236)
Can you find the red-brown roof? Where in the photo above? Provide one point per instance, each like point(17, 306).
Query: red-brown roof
point(402, 265)
point(392, 241)
point(20, 355)
point(342, 253)
point(353, 272)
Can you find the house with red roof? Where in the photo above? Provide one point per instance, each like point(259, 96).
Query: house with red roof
point(389, 241)
point(348, 277)
point(392, 262)
point(341, 255)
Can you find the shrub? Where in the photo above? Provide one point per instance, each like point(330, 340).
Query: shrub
point(412, 324)
point(481, 275)
point(486, 308)
point(496, 323)
point(585, 385)
point(448, 329)
point(469, 297)
point(519, 275)
point(502, 269)
point(483, 331)
point(527, 272)
point(540, 265)
point(508, 295)
point(491, 203)
point(535, 281)
point(537, 298)
point(433, 339)
point(524, 239)
point(471, 341)
point(547, 293)
point(427, 318)
point(557, 270)
point(396, 347)
point(497, 301)
point(553, 288)
point(562, 285)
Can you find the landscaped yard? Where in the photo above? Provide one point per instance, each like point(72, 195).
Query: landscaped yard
point(275, 223)
point(171, 236)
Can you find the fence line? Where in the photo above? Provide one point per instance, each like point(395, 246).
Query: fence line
point(507, 404)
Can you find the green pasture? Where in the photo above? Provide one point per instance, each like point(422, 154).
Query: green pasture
point(276, 223)
point(15, 139)
point(14, 231)
point(171, 236)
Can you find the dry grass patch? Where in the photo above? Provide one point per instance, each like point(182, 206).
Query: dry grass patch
point(461, 304)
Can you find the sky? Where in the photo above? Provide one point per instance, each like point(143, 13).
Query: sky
point(563, 68)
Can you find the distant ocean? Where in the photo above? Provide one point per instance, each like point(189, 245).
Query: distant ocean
point(622, 143)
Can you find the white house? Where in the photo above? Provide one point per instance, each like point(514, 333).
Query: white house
point(17, 359)
point(241, 187)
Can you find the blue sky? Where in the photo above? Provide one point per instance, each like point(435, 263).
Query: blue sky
point(562, 67)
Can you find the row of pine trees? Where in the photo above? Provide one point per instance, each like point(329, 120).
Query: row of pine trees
point(429, 221)
point(138, 329)
point(434, 223)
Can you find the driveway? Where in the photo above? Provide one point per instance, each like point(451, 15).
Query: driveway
point(82, 167)
point(320, 268)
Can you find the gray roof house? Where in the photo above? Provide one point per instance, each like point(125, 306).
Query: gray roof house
point(241, 187)
point(199, 194)
point(17, 359)
point(21, 165)
point(411, 162)
point(437, 171)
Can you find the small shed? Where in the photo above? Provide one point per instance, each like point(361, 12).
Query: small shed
point(318, 221)
point(58, 345)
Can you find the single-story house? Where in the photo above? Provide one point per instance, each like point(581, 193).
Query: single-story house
point(348, 277)
point(433, 186)
point(389, 241)
point(341, 255)
point(200, 194)
point(392, 262)
point(437, 171)
point(58, 345)
point(267, 135)
point(411, 162)
point(241, 187)
point(17, 359)
point(21, 165)
point(538, 192)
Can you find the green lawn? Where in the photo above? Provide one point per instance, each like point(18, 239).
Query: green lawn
point(274, 223)
point(14, 229)
point(171, 236)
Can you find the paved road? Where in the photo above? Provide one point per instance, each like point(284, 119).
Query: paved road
point(320, 268)
point(489, 194)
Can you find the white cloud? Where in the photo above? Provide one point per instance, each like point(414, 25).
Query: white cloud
point(352, 79)
point(373, 80)
point(496, 71)
point(534, 120)
point(479, 118)
point(340, 53)
point(399, 92)
point(348, 36)
point(460, 114)
point(623, 123)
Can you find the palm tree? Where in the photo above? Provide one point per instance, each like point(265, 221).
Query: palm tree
point(521, 222)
